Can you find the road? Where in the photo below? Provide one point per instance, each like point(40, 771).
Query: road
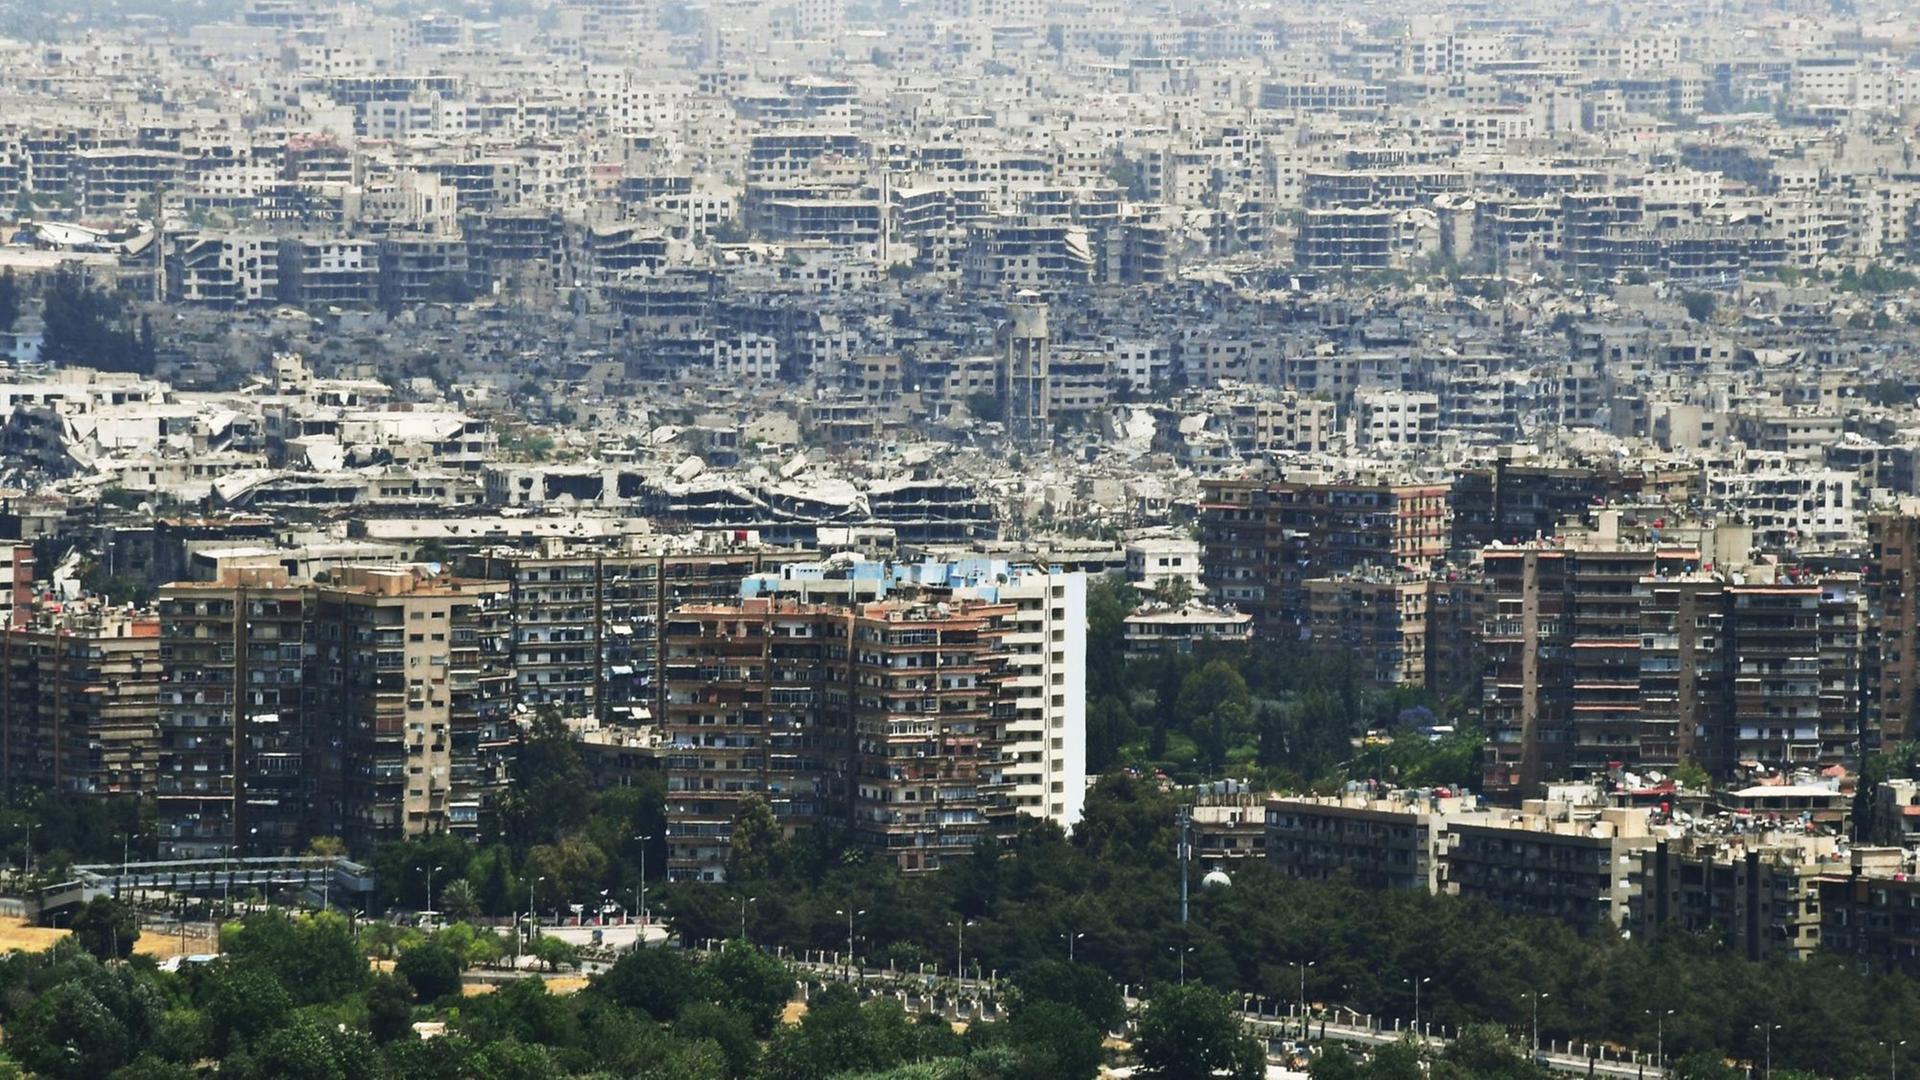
point(1586, 1060)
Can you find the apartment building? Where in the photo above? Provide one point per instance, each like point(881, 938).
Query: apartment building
point(394, 675)
point(921, 711)
point(371, 707)
point(1555, 859)
point(1374, 839)
point(1262, 540)
point(882, 718)
point(1378, 619)
point(1870, 909)
point(1598, 657)
point(1760, 892)
point(748, 712)
point(1160, 628)
point(78, 688)
point(231, 775)
point(1562, 641)
point(585, 620)
point(1891, 662)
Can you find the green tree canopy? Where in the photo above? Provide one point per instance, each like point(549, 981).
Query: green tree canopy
point(1191, 1033)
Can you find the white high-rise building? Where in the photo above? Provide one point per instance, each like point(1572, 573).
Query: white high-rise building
point(1045, 749)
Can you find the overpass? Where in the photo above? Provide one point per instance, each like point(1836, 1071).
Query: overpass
point(323, 875)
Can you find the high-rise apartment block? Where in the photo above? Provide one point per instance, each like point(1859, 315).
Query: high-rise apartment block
point(1598, 657)
point(78, 685)
point(371, 707)
point(585, 621)
point(920, 721)
point(1261, 541)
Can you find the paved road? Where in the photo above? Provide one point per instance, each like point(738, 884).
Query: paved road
point(1275, 1029)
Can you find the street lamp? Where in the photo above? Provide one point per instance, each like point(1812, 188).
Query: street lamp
point(849, 913)
point(1303, 991)
point(1769, 1029)
point(640, 899)
point(533, 920)
point(1417, 984)
point(960, 947)
point(1659, 1036)
point(431, 870)
point(744, 901)
point(1182, 954)
point(1893, 1062)
point(1537, 995)
point(1071, 938)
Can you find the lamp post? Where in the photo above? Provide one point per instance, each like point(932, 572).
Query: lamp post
point(1071, 938)
point(431, 870)
point(1182, 954)
point(640, 899)
point(960, 947)
point(1302, 967)
point(1417, 984)
point(1893, 1061)
point(1768, 1029)
point(849, 913)
point(744, 901)
point(533, 919)
point(1659, 1036)
point(1537, 995)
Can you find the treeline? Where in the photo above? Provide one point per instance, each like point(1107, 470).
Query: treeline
point(87, 326)
point(1114, 889)
point(295, 997)
point(1271, 712)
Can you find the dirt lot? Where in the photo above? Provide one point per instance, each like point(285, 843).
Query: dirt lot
point(556, 984)
point(158, 943)
point(19, 934)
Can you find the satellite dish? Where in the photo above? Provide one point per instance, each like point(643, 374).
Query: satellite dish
point(1216, 879)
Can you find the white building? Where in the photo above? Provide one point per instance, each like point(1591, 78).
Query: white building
point(1397, 418)
point(1152, 560)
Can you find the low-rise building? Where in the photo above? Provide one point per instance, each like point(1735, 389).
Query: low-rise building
point(1158, 628)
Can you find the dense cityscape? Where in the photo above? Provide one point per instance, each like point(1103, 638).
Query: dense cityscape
point(959, 539)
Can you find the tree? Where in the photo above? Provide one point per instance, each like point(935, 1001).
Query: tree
point(313, 955)
point(85, 327)
point(239, 1000)
point(1190, 1033)
point(309, 1050)
point(432, 969)
point(389, 1009)
point(9, 300)
point(556, 953)
point(1335, 1063)
point(756, 848)
point(106, 928)
point(459, 900)
point(752, 983)
point(1705, 1065)
point(1054, 1041)
point(837, 1036)
point(1484, 1052)
point(658, 982)
point(1173, 591)
point(572, 867)
point(91, 1022)
point(726, 1029)
point(1699, 305)
point(1396, 1061)
point(1086, 990)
